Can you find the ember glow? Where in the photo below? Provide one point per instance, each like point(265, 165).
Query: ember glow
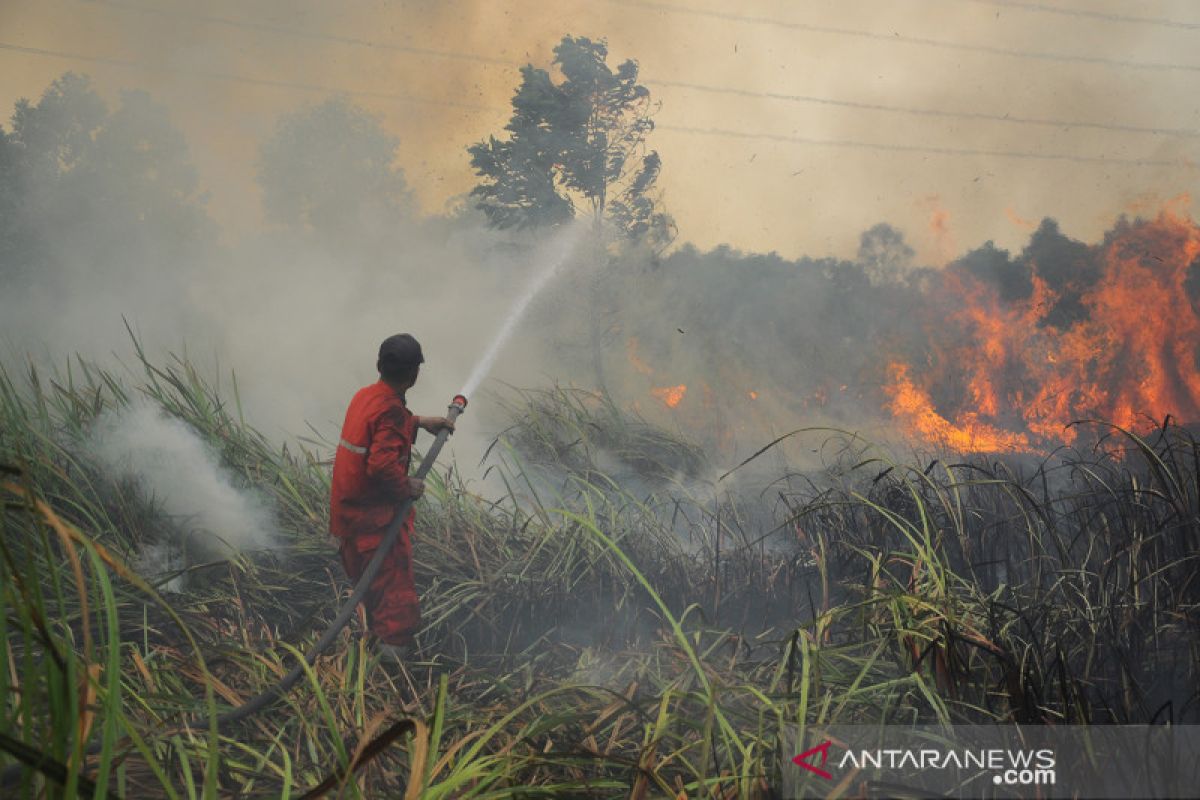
point(1116, 339)
point(670, 395)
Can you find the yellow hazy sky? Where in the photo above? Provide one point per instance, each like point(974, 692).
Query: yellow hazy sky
point(786, 126)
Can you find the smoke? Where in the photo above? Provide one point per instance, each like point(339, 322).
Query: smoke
point(114, 224)
point(441, 74)
point(173, 468)
point(112, 228)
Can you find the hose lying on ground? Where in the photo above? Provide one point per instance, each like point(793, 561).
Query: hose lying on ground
point(266, 698)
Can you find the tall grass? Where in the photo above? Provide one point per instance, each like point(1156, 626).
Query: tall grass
point(613, 622)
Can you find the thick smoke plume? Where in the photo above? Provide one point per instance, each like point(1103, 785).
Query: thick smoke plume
point(176, 471)
point(109, 221)
point(107, 225)
point(441, 76)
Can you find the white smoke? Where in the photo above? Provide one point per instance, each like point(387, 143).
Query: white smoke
point(184, 478)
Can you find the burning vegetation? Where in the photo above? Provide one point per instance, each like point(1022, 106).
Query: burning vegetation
point(671, 396)
point(1018, 351)
point(584, 628)
point(994, 353)
point(612, 604)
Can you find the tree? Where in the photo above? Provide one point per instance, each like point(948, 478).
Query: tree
point(578, 143)
point(11, 228)
point(883, 254)
point(78, 183)
point(331, 168)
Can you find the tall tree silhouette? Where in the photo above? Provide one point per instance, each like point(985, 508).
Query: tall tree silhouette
point(575, 146)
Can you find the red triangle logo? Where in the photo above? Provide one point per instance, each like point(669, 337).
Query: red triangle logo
point(802, 759)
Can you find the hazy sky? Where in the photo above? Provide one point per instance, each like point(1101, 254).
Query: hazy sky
point(749, 167)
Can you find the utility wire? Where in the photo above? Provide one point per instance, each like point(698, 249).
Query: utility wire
point(931, 112)
point(793, 98)
point(940, 151)
point(1043, 8)
point(677, 128)
point(943, 44)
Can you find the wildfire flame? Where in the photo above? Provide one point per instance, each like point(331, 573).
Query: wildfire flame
point(1015, 374)
point(967, 434)
point(670, 395)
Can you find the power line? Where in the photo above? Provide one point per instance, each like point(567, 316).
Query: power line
point(931, 112)
point(1043, 8)
point(795, 98)
point(665, 7)
point(914, 40)
point(904, 148)
point(226, 76)
point(130, 64)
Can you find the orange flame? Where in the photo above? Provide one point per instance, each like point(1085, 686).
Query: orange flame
point(670, 395)
point(1018, 377)
point(967, 434)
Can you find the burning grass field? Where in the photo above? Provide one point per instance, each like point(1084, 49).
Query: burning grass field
point(616, 623)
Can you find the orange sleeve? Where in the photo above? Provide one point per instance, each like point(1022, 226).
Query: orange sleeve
point(387, 459)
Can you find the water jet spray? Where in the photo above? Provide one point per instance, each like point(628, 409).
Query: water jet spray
point(561, 248)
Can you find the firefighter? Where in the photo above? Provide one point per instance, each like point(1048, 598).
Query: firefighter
point(370, 480)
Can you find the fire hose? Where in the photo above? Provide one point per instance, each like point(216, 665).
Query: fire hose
point(269, 696)
point(273, 693)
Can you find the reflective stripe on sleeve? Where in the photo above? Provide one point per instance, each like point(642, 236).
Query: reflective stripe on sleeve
point(353, 448)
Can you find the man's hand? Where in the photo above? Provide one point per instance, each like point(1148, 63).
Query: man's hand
point(416, 487)
point(434, 424)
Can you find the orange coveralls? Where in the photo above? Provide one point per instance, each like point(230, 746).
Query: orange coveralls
point(370, 479)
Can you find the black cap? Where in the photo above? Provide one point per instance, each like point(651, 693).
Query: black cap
point(399, 354)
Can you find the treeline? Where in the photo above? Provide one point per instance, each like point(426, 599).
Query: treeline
point(93, 196)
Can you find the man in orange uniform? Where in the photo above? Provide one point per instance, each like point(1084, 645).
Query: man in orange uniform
point(370, 480)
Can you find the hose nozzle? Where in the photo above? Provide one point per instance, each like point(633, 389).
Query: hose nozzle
point(457, 406)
